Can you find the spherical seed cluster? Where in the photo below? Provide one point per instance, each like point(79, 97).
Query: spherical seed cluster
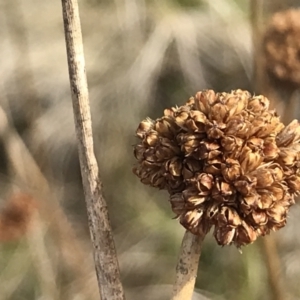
point(226, 161)
point(282, 47)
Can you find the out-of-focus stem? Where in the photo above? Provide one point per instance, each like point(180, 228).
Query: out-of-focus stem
point(23, 74)
point(262, 85)
point(258, 72)
point(273, 264)
point(187, 266)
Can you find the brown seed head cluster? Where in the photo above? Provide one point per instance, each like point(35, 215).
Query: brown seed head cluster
point(282, 47)
point(227, 162)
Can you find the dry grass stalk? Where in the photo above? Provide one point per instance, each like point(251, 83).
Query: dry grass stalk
point(105, 257)
point(187, 266)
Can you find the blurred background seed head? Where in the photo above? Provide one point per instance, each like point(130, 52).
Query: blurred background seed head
point(141, 57)
point(282, 48)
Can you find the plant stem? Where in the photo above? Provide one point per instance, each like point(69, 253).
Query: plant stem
point(258, 73)
point(263, 86)
point(274, 268)
point(105, 257)
point(187, 266)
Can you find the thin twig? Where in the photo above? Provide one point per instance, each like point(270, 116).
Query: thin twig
point(105, 257)
point(187, 266)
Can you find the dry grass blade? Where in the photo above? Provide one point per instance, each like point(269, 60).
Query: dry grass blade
point(105, 257)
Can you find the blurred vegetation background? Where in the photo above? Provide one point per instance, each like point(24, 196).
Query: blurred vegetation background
point(142, 56)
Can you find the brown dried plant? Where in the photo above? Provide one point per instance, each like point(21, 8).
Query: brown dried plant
point(282, 47)
point(227, 162)
point(16, 216)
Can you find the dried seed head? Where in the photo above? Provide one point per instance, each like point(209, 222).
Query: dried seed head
point(15, 217)
point(227, 163)
point(282, 47)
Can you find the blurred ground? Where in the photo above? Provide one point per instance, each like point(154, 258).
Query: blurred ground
point(141, 57)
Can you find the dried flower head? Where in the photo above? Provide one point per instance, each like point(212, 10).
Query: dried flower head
point(15, 217)
point(282, 47)
point(227, 162)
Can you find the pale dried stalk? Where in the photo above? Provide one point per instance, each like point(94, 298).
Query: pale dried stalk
point(187, 266)
point(105, 257)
